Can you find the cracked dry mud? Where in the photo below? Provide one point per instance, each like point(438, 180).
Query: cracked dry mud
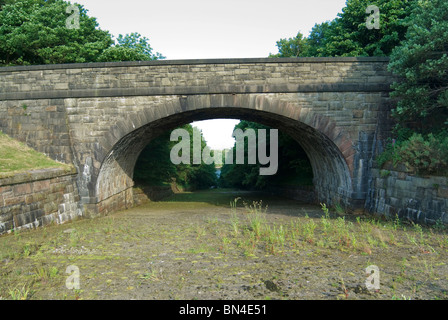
point(195, 246)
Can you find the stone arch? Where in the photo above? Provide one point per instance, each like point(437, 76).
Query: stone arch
point(328, 147)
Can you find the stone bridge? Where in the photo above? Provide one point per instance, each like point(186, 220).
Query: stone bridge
point(99, 116)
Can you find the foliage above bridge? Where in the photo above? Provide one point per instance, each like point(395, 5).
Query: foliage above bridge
point(35, 32)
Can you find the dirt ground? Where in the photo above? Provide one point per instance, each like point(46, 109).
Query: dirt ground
point(204, 245)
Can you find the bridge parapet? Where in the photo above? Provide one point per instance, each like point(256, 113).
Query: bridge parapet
point(195, 77)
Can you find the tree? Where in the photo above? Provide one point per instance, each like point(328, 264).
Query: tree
point(422, 62)
point(154, 166)
point(319, 36)
point(348, 35)
point(244, 175)
point(293, 164)
point(35, 32)
point(358, 40)
point(4, 2)
point(131, 47)
point(292, 47)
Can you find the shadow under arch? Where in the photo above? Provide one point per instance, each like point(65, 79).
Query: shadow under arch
point(329, 148)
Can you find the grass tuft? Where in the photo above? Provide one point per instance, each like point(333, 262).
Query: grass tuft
point(16, 157)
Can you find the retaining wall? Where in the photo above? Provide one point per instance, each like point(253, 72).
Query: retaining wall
point(37, 198)
point(416, 198)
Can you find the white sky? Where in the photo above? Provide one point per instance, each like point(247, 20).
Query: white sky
point(206, 29)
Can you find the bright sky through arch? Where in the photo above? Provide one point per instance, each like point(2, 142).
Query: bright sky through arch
point(207, 29)
point(217, 132)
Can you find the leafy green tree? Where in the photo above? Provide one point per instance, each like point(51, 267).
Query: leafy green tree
point(318, 38)
point(244, 175)
point(154, 166)
point(195, 176)
point(4, 2)
point(202, 176)
point(35, 32)
point(131, 47)
point(294, 167)
point(422, 62)
point(292, 47)
point(348, 35)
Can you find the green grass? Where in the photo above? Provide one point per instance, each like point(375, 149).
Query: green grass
point(251, 231)
point(16, 157)
point(217, 197)
point(117, 249)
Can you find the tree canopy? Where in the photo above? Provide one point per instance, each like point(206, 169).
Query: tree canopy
point(154, 165)
point(35, 32)
point(130, 47)
point(294, 167)
point(422, 62)
point(348, 34)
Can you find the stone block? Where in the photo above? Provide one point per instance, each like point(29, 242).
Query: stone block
point(4, 189)
point(29, 199)
point(442, 191)
point(395, 202)
point(444, 218)
point(13, 201)
point(41, 185)
point(357, 114)
point(433, 216)
point(61, 86)
point(51, 109)
point(50, 207)
point(22, 189)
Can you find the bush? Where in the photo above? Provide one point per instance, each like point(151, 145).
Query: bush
point(425, 155)
point(390, 153)
point(421, 154)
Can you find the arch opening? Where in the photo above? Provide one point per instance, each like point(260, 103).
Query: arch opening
point(332, 179)
point(286, 165)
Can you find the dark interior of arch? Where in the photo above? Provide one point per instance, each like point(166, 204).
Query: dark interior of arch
point(293, 169)
point(331, 180)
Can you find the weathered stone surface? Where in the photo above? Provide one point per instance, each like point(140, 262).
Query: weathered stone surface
point(27, 203)
point(99, 116)
point(418, 199)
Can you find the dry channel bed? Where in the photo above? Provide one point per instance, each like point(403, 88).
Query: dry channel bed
point(206, 245)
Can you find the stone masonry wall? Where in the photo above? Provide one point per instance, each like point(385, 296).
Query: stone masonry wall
point(419, 199)
point(41, 124)
point(194, 77)
point(37, 198)
point(99, 116)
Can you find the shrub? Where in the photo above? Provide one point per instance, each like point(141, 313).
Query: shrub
point(425, 155)
point(421, 154)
